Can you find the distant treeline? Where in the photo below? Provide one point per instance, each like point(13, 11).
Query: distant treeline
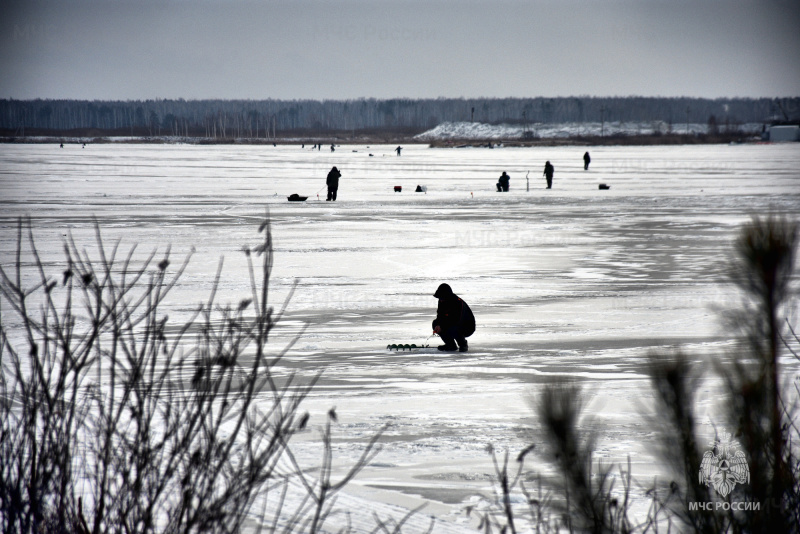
point(270, 118)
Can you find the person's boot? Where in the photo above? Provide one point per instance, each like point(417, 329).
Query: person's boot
point(464, 347)
point(448, 348)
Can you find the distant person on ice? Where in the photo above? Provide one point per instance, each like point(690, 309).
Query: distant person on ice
point(454, 320)
point(502, 183)
point(333, 148)
point(333, 183)
point(398, 149)
point(586, 161)
point(548, 173)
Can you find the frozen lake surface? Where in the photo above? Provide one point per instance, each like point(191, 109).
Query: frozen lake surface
point(572, 281)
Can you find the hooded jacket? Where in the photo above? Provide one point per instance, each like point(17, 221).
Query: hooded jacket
point(333, 178)
point(452, 311)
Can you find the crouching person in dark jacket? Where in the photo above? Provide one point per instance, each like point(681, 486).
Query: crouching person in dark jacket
point(454, 320)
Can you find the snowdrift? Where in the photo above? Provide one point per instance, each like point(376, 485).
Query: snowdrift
point(481, 131)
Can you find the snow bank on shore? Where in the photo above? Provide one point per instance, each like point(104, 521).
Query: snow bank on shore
point(479, 131)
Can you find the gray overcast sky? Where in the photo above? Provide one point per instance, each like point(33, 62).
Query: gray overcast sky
point(328, 49)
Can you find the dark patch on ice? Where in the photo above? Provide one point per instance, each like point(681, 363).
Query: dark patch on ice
point(442, 495)
point(457, 476)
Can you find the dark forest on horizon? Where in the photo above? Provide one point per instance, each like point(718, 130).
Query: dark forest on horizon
point(273, 119)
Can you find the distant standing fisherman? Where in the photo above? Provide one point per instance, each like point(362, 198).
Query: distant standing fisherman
point(586, 161)
point(548, 173)
point(398, 149)
point(333, 183)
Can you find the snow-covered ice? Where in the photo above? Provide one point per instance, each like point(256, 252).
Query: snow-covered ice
point(572, 281)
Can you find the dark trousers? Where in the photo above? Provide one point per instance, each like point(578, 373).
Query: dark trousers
point(549, 182)
point(332, 194)
point(451, 336)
